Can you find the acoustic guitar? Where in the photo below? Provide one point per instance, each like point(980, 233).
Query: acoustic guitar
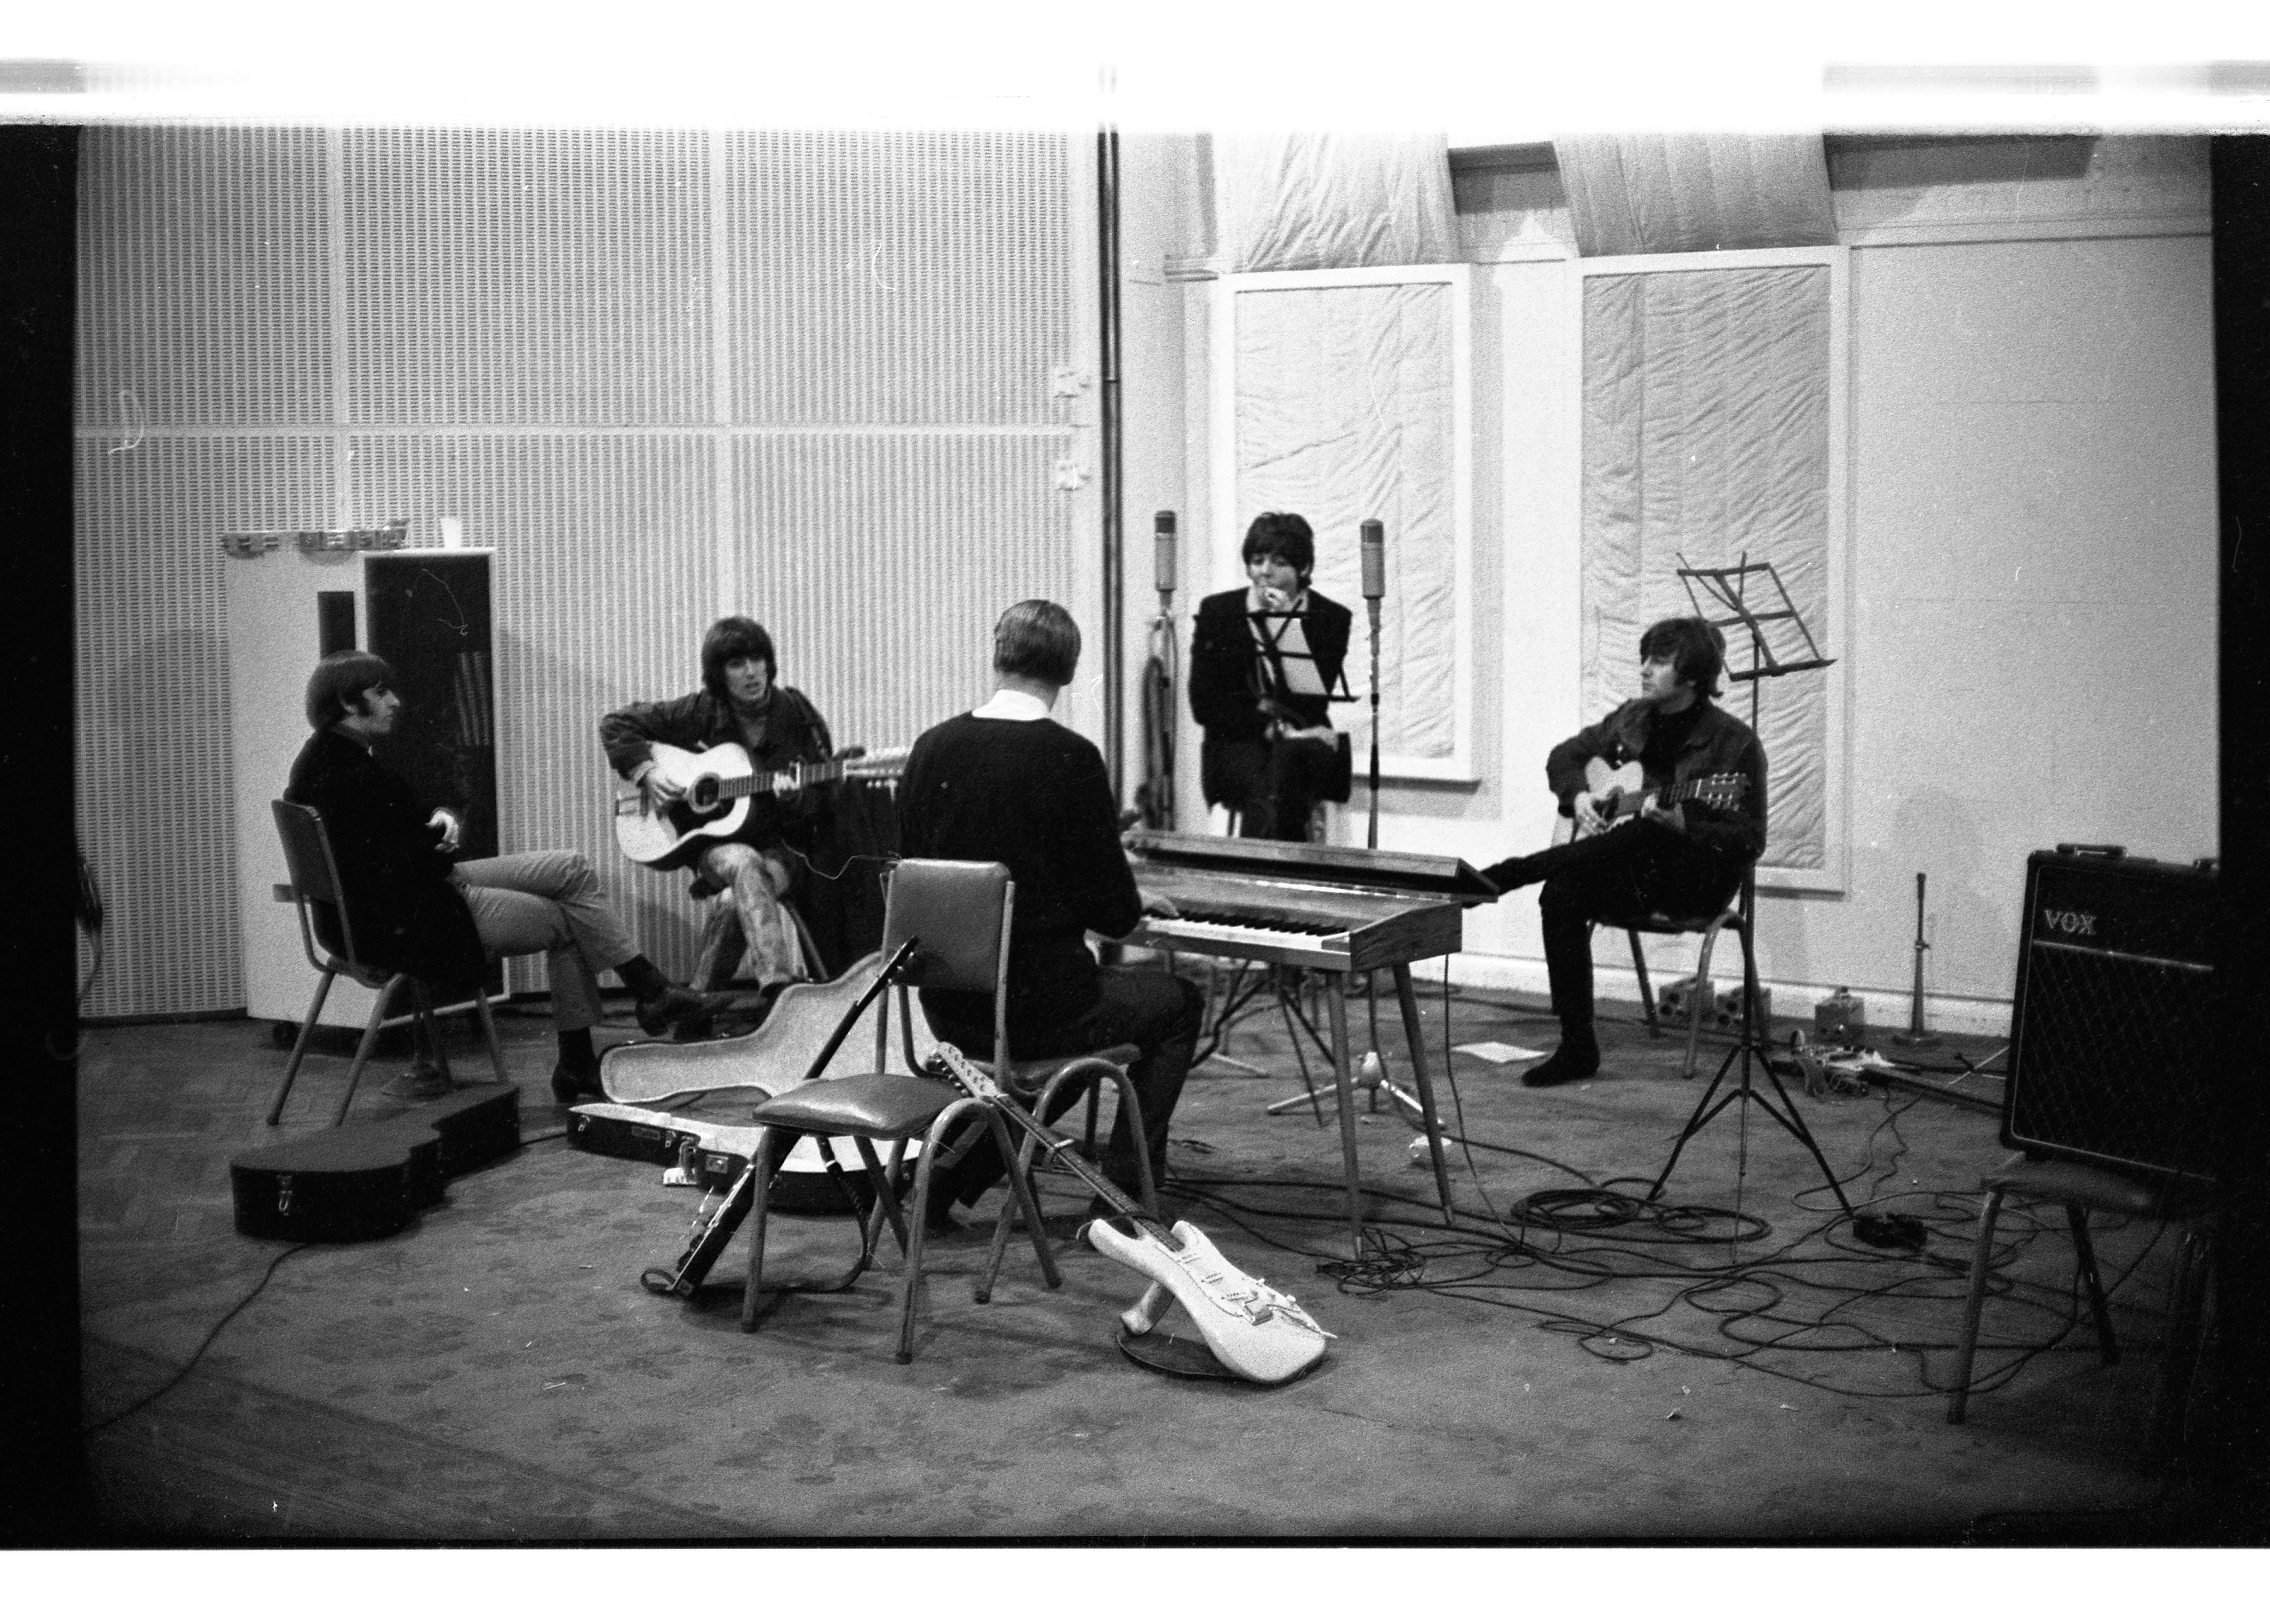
point(722, 786)
point(1623, 793)
point(1256, 1331)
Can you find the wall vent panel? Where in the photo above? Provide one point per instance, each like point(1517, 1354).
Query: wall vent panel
point(203, 293)
point(155, 790)
point(880, 562)
point(897, 278)
point(552, 276)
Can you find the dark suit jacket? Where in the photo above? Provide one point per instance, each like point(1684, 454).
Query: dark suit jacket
point(696, 721)
point(1223, 684)
point(407, 914)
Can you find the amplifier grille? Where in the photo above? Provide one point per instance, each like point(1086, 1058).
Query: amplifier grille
point(2114, 1060)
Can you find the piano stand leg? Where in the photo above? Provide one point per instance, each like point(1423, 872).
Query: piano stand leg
point(1344, 1082)
point(1425, 1102)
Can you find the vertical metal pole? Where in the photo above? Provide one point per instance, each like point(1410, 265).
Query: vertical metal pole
point(1106, 231)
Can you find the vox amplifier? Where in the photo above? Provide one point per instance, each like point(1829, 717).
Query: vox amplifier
point(2113, 1027)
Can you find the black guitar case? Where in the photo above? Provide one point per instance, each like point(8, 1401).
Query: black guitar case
point(364, 1180)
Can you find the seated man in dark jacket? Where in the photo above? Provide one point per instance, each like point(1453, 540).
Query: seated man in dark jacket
point(741, 702)
point(1679, 855)
point(1264, 662)
point(1006, 784)
point(424, 912)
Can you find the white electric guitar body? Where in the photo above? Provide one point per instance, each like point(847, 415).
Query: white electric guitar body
point(1256, 1331)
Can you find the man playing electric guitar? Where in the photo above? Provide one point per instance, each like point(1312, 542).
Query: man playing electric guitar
point(1681, 853)
point(740, 703)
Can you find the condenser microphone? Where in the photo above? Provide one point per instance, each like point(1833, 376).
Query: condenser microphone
point(1162, 534)
point(1374, 544)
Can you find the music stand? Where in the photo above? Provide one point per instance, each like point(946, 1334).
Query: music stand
point(1730, 587)
point(1283, 667)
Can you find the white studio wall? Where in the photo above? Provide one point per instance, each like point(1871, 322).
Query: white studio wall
point(2027, 655)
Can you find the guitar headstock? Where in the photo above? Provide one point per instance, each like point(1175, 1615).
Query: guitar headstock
point(954, 1063)
point(1720, 792)
point(878, 763)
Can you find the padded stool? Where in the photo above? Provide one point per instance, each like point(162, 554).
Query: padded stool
point(2083, 1188)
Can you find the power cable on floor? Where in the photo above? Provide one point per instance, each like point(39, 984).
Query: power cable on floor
point(175, 1380)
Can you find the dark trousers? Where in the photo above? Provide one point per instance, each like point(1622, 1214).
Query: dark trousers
point(1274, 787)
point(1159, 1013)
point(1637, 867)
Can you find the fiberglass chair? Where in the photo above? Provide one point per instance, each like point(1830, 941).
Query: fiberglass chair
point(954, 921)
point(327, 930)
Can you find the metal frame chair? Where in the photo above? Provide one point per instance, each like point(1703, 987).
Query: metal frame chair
point(1708, 925)
point(314, 873)
point(947, 927)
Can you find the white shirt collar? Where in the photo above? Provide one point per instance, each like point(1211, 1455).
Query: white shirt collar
point(1010, 705)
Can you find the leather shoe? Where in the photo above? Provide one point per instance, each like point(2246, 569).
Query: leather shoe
point(569, 1085)
point(673, 1003)
point(1569, 1064)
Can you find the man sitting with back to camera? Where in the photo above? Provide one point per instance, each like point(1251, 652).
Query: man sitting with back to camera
point(1680, 858)
point(442, 920)
point(741, 702)
point(1006, 784)
point(1265, 661)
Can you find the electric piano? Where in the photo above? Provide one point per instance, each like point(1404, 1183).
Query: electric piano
point(1336, 909)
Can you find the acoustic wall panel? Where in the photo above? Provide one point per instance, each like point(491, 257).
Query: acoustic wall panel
point(1710, 402)
point(536, 276)
point(155, 791)
point(880, 562)
point(523, 330)
point(604, 579)
point(204, 297)
point(897, 278)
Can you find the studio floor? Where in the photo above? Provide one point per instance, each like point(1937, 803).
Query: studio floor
point(1730, 1364)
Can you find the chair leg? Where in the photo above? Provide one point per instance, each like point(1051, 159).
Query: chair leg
point(1020, 1188)
point(1694, 1010)
point(2185, 1310)
point(369, 1042)
point(1095, 1073)
point(2084, 1256)
point(910, 1288)
point(886, 1199)
point(300, 1047)
point(489, 1032)
point(761, 1158)
point(1958, 1398)
point(428, 1023)
point(1646, 992)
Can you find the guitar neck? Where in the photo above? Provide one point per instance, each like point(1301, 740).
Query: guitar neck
point(772, 784)
point(975, 1084)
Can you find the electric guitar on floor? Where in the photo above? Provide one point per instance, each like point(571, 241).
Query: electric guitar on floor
point(1256, 1331)
point(722, 786)
point(1622, 793)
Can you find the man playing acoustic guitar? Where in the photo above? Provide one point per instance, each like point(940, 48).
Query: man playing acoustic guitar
point(1682, 849)
point(741, 702)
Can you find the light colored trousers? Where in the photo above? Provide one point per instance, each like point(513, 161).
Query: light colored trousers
point(549, 902)
point(756, 926)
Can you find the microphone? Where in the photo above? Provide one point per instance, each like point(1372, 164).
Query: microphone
point(1374, 547)
point(1162, 536)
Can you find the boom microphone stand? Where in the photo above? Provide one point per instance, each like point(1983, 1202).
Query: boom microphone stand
point(1154, 798)
point(1728, 588)
point(1372, 547)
